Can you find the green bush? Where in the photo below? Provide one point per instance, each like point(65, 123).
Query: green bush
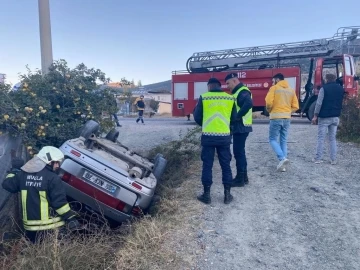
point(349, 129)
point(48, 110)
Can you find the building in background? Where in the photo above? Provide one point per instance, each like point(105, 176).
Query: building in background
point(160, 92)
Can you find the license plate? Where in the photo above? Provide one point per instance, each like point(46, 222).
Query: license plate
point(101, 183)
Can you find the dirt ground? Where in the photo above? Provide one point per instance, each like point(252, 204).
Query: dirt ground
point(305, 218)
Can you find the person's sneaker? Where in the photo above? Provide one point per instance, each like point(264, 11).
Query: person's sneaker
point(283, 169)
point(333, 162)
point(282, 164)
point(317, 161)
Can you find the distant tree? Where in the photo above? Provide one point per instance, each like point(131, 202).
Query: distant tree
point(124, 82)
point(139, 83)
point(154, 105)
point(133, 83)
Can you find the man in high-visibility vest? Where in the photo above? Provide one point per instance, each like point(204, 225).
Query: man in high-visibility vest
point(241, 127)
point(214, 111)
point(41, 190)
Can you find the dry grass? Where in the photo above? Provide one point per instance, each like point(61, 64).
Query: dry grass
point(349, 128)
point(153, 242)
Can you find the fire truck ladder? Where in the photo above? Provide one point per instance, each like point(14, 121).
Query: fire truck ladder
point(232, 58)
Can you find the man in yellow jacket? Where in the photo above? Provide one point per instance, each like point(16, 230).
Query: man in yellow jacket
point(281, 102)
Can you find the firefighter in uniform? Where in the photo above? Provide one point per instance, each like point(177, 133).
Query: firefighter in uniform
point(242, 126)
point(42, 191)
point(214, 112)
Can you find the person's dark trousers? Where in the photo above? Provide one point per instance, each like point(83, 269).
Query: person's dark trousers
point(207, 157)
point(35, 236)
point(239, 141)
point(141, 113)
point(117, 120)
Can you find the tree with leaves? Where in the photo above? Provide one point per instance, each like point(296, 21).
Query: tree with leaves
point(50, 109)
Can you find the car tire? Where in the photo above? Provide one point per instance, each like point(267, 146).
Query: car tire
point(158, 155)
point(90, 127)
point(159, 167)
point(311, 111)
point(113, 135)
point(265, 112)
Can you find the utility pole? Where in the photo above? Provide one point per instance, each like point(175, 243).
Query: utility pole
point(45, 36)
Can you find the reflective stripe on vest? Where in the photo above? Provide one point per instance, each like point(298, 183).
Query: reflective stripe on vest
point(217, 109)
point(44, 227)
point(45, 223)
point(247, 118)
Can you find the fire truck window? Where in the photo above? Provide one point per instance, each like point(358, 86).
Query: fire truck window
point(292, 82)
point(180, 90)
point(199, 88)
point(348, 69)
point(180, 106)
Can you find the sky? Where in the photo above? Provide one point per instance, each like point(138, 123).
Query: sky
point(147, 40)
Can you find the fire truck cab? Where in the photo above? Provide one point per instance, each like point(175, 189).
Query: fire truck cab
point(256, 67)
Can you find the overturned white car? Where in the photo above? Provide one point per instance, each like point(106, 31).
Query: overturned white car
point(106, 176)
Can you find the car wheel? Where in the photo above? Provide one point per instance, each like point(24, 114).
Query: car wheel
point(89, 128)
point(311, 111)
point(159, 167)
point(158, 155)
point(112, 135)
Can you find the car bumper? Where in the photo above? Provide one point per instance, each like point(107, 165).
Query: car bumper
point(96, 205)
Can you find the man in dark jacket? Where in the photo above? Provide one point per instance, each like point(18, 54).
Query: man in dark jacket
point(214, 112)
point(242, 126)
point(41, 192)
point(327, 111)
point(140, 105)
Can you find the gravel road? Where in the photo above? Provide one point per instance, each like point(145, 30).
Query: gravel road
point(142, 138)
point(305, 218)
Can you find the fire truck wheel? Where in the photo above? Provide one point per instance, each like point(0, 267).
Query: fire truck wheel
point(266, 113)
point(311, 111)
point(159, 167)
point(90, 127)
point(113, 135)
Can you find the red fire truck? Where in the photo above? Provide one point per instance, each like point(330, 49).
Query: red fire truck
point(257, 65)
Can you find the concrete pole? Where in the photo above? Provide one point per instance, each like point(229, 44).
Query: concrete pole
point(45, 35)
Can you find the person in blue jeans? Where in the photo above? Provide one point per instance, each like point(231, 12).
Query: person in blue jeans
point(327, 111)
point(281, 101)
point(279, 128)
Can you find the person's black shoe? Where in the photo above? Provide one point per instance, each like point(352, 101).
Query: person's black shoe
point(239, 180)
point(227, 196)
point(205, 197)
point(246, 179)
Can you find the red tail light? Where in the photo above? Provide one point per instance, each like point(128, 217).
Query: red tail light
point(75, 153)
point(121, 206)
point(94, 192)
point(66, 177)
point(136, 185)
point(137, 211)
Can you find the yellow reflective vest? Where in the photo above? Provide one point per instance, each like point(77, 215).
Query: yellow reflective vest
point(247, 118)
point(217, 109)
